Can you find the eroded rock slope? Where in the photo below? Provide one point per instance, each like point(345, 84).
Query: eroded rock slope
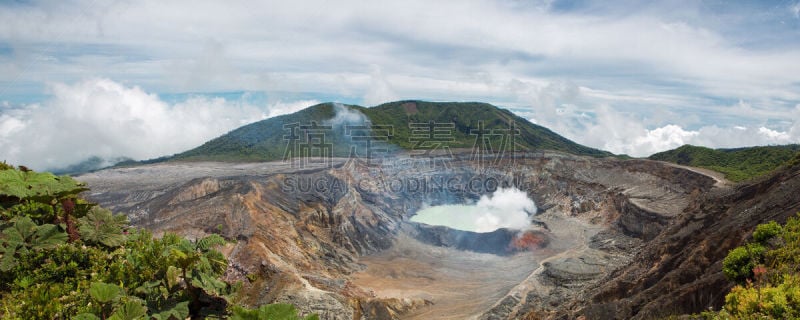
point(321, 236)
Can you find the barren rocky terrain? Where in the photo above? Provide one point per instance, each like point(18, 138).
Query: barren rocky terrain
point(336, 239)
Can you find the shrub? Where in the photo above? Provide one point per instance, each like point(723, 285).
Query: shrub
point(106, 270)
point(738, 265)
point(768, 301)
point(766, 231)
point(767, 275)
point(270, 311)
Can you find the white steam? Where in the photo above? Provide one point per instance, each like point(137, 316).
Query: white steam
point(344, 115)
point(505, 208)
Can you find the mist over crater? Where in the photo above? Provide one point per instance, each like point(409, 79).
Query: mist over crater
point(505, 208)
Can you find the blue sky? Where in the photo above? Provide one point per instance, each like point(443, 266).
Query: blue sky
point(625, 76)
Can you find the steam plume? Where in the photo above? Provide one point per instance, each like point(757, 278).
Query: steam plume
point(505, 208)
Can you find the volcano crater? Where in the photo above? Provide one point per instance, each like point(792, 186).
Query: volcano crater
point(352, 249)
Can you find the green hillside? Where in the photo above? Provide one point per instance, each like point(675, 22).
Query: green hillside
point(453, 123)
point(466, 117)
point(737, 164)
point(263, 140)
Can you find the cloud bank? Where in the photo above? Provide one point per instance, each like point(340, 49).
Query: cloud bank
point(106, 119)
point(587, 117)
point(628, 77)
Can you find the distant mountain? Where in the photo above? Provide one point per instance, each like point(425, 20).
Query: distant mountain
point(262, 140)
point(91, 164)
point(737, 164)
point(412, 124)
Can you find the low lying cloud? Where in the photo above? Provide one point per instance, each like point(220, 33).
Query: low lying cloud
point(592, 118)
point(626, 135)
point(103, 118)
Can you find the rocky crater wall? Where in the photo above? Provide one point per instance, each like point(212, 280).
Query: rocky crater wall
point(303, 232)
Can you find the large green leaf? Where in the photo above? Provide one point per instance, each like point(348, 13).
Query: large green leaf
point(100, 226)
point(211, 260)
point(13, 241)
point(184, 258)
point(173, 277)
point(129, 310)
point(28, 236)
point(35, 210)
point(214, 262)
point(104, 292)
point(48, 236)
point(177, 312)
point(37, 185)
point(86, 316)
point(152, 289)
point(23, 228)
point(9, 259)
point(209, 283)
point(277, 311)
point(24, 235)
point(209, 242)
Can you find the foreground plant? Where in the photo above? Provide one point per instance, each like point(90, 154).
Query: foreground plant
point(767, 273)
point(64, 258)
point(271, 311)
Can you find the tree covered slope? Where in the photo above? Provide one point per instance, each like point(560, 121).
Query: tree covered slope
point(737, 164)
point(405, 125)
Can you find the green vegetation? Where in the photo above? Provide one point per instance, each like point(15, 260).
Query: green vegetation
point(64, 258)
point(738, 164)
point(468, 116)
point(264, 140)
point(767, 273)
point(271, 311)
point(738, 265)
point(766, 231)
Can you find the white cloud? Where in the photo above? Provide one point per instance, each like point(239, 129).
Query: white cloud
point(564, 108)
point(642, 142)
point(660, 139)
point(280, 108)
point(103, 118)
point(379, 90)
point(774, 135)
point(9, 125)
point(631, 78)
point(183, 45)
